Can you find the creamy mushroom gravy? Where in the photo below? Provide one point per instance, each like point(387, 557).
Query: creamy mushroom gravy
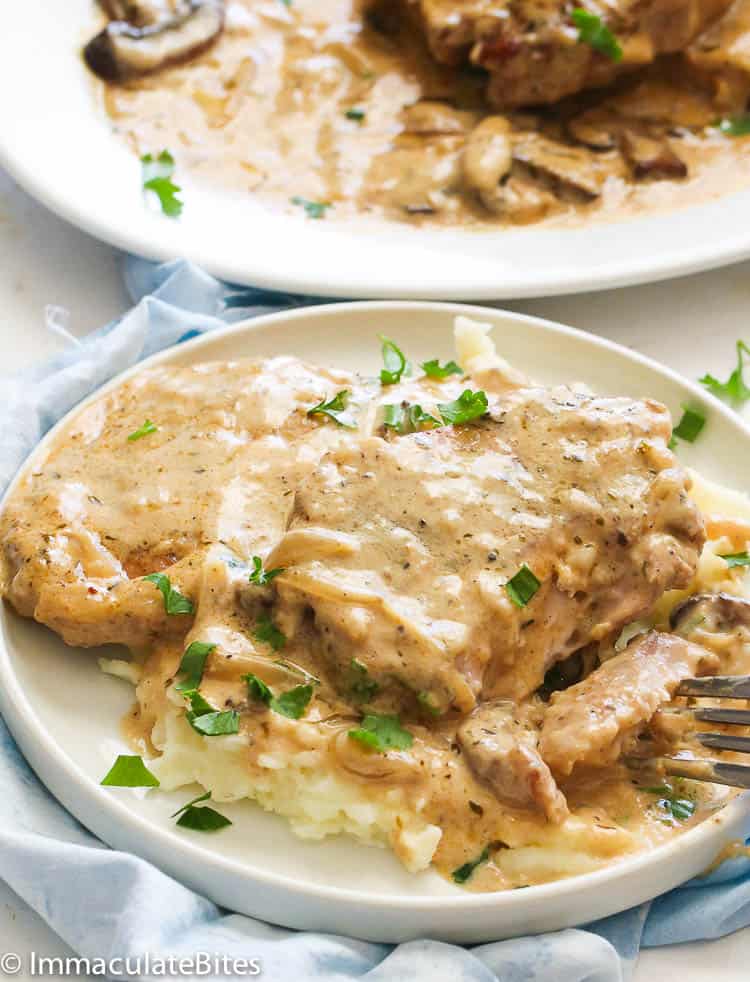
point(396, 549)
point(264, 111)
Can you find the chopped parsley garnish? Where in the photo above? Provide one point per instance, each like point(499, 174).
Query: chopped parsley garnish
point(407, 418)
point(261, 576)
point(690, 425)
point(433, 369)
point(677, 805)
point(736, 559)
point(267, 632)
point(735, 125)
point(395, 362)
point(362, 686)
point(734, 389)
point(129, 772)
point(382, 733)
point(522, 586)
point(156, 174)
point(148, 427)
point(313, 209)
point(174, 601)
point(203, 819)
point(595, 33)
point(462, 874)
point(192, 665)
point(356, 115)
point(209, 721)
point(469, 405)
point(335, 409)
point(291, 703)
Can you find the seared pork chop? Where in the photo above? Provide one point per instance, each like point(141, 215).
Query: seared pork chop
point(594, 721)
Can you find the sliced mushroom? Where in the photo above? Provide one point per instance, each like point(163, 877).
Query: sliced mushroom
point(129, 48)
point(430, 117)
point(488, 154)
point(571, 167)
point(650, 157)
point(502, 752)
point(596, 128)
point(717, 613)
point(519, 200)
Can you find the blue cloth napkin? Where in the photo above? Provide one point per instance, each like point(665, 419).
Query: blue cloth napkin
point(107, 904)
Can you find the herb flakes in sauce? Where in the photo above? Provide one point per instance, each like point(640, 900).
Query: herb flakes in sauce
point(522, 586)
point(313, 209)
point(192, 665)
point(463, 873)
point(407, 418)
point(267, 632)
point(382, 733)
point(735, 125)
point(678, 806)
point(335, 409)
point(734, 389)
point(433, 369)
point(208, 721)
point(291, 703)
point(735, 559)
point(690, 426)
point(174, 601)
point(144, 430)
point(129, 771)
point(361, 685)
point(203, 819)
point(355, 114)
point(469, 406)
point(261, 576)
point(156, 174)
point(394, 361)
point(594, 32)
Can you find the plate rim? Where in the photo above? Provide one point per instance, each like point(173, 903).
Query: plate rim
point(35, 741)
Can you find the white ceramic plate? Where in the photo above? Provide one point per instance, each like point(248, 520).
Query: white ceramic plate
point(58, 145)
point(64, 712)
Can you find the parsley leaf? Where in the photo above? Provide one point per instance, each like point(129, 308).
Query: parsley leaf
point(736, 559)
point(595, 33)
point(291, 704)
point(156, 174)
point(313, 209)
point(462, 874)
point(148, 427)
point(677, 805)
point(192, 665)
point(200, 819)
point(267, 632)
point(469, 405)
point(174, 601)
point(129, 772)
point(208, 721)
point(362, 687)
point(690, 425)
point(394, 361)
point(522, 587)
point(735, 125)
point(407, 418)
point(335, 409)
point(262, 577)
point(357, 115)
point(433, 369)
point(382, 733)
point(734, 389)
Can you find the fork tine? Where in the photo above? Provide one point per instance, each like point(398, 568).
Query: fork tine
point(714, 771)
point(724, 741)
point(710, 714)
point(717, 686)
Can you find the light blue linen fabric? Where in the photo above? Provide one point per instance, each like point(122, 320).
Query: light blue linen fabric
point(106, 904)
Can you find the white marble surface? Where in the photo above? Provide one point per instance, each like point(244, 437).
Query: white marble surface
point(690, 324)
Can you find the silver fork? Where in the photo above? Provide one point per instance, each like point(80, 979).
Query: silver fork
point(714, 771)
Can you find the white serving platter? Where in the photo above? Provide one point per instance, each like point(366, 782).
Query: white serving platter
point(64, 712)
